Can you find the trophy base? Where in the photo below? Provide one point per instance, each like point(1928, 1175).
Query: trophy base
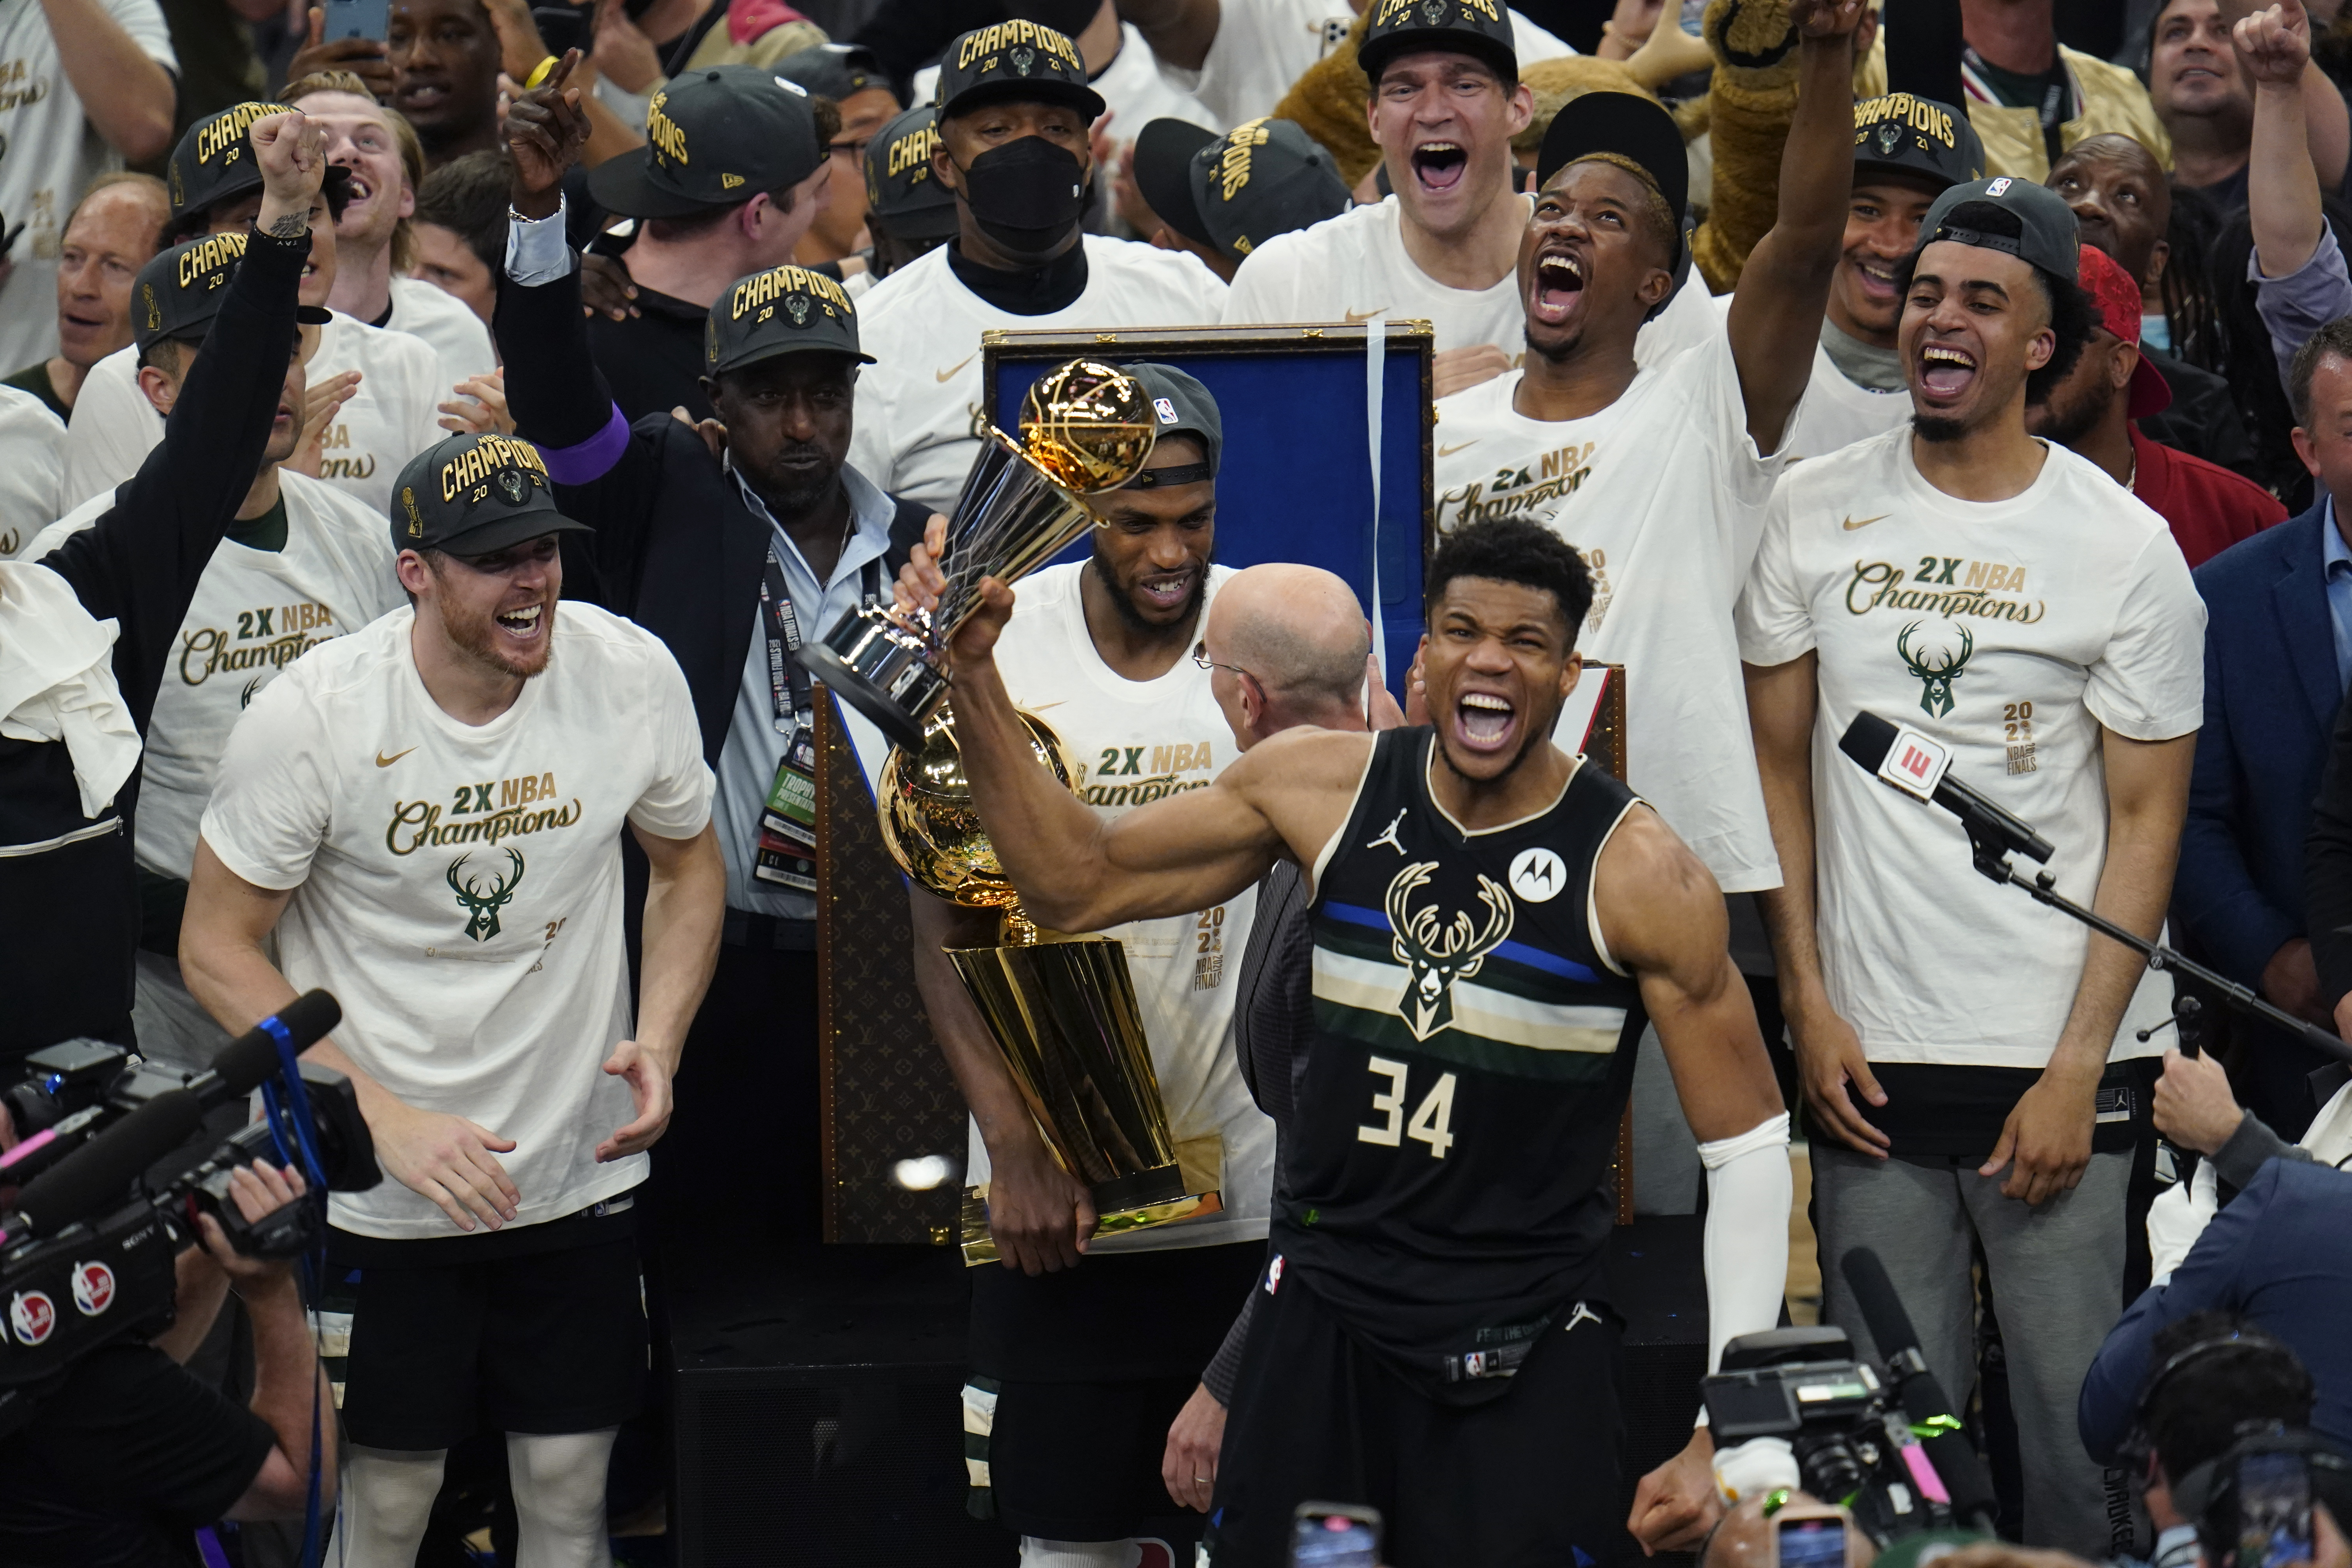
point(879, 673)
point(980, 1243)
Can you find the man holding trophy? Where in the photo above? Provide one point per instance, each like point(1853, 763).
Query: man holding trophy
point(1090, 1338)
point(1493, 922)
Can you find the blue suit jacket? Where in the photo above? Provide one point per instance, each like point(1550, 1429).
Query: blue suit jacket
point(2271, 697)
point(2281, 1256)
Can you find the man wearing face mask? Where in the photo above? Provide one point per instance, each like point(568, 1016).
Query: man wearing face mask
point(1015, 107)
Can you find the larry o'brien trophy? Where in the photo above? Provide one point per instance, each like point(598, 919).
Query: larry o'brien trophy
point(1062, 1009)
point(1085, 429)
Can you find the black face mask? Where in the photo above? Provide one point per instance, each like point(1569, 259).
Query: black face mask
point(1027, 195)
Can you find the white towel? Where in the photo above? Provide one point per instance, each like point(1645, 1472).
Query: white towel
point(56, 681)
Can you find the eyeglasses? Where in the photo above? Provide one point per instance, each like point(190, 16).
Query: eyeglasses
point(1201, 657)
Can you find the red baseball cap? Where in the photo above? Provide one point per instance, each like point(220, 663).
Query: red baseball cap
point(2118, 298)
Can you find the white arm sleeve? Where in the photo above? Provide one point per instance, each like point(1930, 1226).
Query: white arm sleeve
point(2177, 1217)
point(1749, 1190)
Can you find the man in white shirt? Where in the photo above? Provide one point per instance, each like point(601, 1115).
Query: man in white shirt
point(394, 381)
point(375, 251)
point(1446, 100)
point(1014, 109)
point(427, 816)
point(1083, 1350)
point(2008, 600)
point(1239, 56)
point(30, 479)
point(89, 83)
point(303, 562)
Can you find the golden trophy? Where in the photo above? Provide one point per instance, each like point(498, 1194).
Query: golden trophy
point(1085, 429)
point(1061, 1009)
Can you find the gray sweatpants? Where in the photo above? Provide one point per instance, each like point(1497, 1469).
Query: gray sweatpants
point(2057, 1278)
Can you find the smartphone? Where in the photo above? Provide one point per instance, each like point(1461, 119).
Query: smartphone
point(1335, 1535)
point(2274, 1511)
point(562, 27)
point(357, 20)
point(1810, 1537)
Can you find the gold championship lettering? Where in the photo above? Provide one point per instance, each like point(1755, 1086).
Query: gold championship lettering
point(228, 130)
point(913, 151)
point(1904, 109)
point(485, 458)
point(1234, 167)
point(665, 133)
point(1008, 35)
point(209, 255)
point(779, 281)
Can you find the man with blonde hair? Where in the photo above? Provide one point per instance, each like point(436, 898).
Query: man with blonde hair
point(375, 250)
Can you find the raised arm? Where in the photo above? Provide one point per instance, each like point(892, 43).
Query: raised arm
point(126, 93)
point(1775, 313)
point(2282, 185)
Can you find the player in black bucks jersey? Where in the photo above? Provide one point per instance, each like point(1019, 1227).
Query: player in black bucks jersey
point(1493, 918)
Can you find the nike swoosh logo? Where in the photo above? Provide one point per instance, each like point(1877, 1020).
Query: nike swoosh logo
point(384, 762)
point(949, 375)
point(1355, 316)
point(1851, 524)
point(1449, 451)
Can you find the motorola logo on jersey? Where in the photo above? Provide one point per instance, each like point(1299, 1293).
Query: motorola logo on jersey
point(33, 1316)
point(93, 1289)
point(1537, 875)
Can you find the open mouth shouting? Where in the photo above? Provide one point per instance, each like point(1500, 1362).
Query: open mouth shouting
point(523, 623)
point(1440, 166)
point(1946, 372)
point(1484, 723)
point(1876, 275)
point(1559, 286)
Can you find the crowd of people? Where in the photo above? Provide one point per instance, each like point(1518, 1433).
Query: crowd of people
point(424, 460)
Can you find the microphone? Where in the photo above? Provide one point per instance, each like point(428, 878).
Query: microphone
point(249, 1060)
point(95, 1175)
point(1924, 1400)
point(1921, 770)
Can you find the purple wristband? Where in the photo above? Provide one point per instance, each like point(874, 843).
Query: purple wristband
point(592, 459)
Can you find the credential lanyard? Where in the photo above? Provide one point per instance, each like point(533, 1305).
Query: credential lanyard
point(788, 679)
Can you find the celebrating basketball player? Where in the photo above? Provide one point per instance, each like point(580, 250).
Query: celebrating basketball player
point(1493, 920)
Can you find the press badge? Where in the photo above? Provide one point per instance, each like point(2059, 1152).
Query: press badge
point(787, 850)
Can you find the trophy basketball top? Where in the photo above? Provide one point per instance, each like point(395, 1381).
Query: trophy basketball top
point(930, 826)
point(1089, 425)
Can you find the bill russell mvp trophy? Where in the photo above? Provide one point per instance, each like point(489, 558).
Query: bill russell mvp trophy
point(1085, 429)
point(1061, 1010)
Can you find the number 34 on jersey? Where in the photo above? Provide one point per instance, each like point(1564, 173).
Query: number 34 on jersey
point(1432, 1120)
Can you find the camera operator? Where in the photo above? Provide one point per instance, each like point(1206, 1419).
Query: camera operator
point(131, 1455)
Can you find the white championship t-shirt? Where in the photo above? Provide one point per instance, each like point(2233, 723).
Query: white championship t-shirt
point(1839, 411)
point(49, 153)
point(395, 415)
point(1263, 45)
point(1135, 741)
point(33, 441)
point(1354, 266)
point(448, 326)
point(256, 611)
point(1664, 492)
point(459, 886)
point(2010, 632)
point(919, 404)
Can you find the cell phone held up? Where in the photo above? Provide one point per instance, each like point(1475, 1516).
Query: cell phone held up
point(1810, 1535)
point(1335, 1535)
point(2274, 1511)
point(356, 19)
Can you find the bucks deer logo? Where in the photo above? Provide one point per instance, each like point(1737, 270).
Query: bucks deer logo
point(796, 306)
point(1937, 699)
point(1888, 136)
point(1023, 59)
point(482, 905)
point(1438, 952)
point(513, 485)
point(1432, 11)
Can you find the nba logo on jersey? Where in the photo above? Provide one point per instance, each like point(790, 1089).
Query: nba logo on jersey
point(1167, 410)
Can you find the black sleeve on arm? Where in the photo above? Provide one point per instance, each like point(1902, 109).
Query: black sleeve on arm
point(139, 563)
point(133, 1433)
point(1922, 50)
point(2328, 867)
point(557, 395)
point(1223, 1375)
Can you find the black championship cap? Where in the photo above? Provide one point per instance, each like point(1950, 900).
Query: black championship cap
point(472, 494)
point(833, 70)
point(1015, 59)
point(1481, 28)
point(1626, 125)
point(1182, 407)
point(179, 291)
point(1237, 191)
point(714, 137)
point(1904, 135)
point(785, 310)
point(2047, 234)
point(214, 162)
point(900, 193)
